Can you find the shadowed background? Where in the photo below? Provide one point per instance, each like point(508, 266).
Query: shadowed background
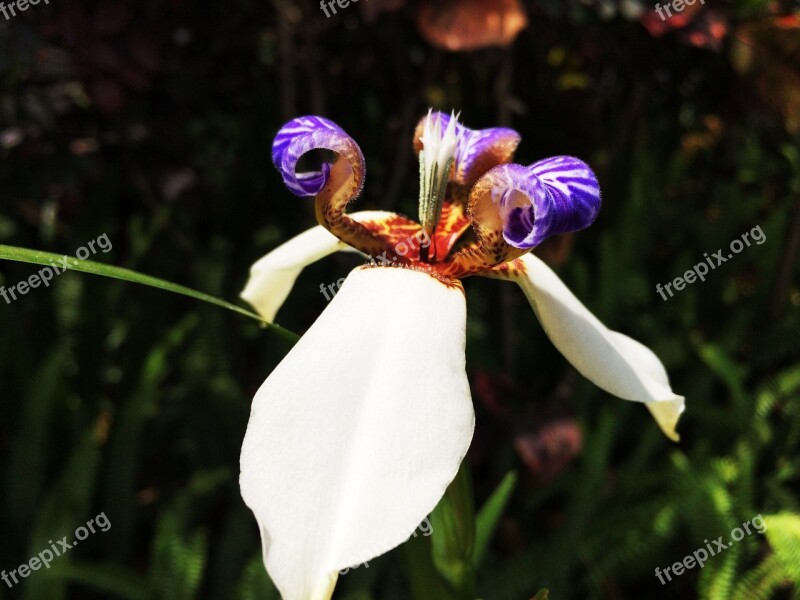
point(152, 122)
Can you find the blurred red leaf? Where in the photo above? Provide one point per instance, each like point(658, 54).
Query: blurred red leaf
point(788, 22)
point(460, 25)
point(489, 390)
point(708, 31)
point(658, 26)
point(549, 447)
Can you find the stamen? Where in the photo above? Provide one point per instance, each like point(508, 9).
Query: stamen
point(435, 162)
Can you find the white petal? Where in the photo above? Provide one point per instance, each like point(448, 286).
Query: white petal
point(356, 434)
point(616, 363)
point(273, 276)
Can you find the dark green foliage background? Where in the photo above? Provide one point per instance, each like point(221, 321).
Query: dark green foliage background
point(133, 402)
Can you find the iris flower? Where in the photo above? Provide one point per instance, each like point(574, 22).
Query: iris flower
point(356, 434)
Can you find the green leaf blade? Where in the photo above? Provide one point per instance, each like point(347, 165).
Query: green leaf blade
point(47, 259)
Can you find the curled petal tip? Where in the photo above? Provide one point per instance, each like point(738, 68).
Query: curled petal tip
point(667, 413)
point(613, 361)
point(555, 195)
point(303, 134)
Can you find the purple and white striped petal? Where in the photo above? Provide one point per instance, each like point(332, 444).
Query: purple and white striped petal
point(477, 150)
point(555, 195)
point(304, 134)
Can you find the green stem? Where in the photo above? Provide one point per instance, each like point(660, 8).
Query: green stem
point(453, 539)
point(86, 266)
point(424, 579)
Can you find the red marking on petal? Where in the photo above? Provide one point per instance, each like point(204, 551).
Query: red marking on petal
point(507, 270)
point(400, 236)
point(452, 225)
point(403, 237)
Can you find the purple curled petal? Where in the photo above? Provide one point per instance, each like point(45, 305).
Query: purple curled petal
point(313, 181)
point(555, 195)
point(304, 134)
point(478, 150)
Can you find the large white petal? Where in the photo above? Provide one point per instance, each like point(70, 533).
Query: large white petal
point(613, 361)
point(272, 277)
point(356, 434)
